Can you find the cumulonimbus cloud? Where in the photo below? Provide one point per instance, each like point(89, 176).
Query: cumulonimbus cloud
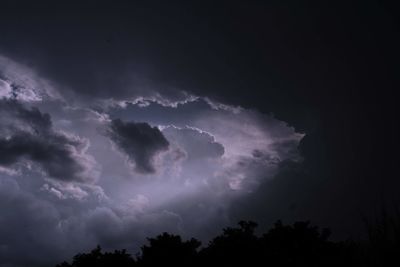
point(139, 141)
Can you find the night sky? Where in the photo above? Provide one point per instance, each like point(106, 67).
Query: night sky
point(122, 120)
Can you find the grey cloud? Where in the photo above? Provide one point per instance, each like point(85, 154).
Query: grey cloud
point(22, 83)
point(27, 134)
point(140, 141)
point(21, 213)
point(21, 118)
point(196, 143)
point(48, 232)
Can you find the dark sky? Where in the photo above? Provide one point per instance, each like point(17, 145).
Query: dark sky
point(120, 119)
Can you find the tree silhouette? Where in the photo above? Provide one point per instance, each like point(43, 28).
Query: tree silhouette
point(384, 237)
point(236, 246)
point(294, 245)
point(169, 250)
point(96, 258)
point(297, 245)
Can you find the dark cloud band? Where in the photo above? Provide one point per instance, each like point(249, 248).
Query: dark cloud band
point(27, 134)
point(139, 141)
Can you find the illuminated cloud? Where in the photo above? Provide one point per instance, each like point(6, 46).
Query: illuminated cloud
point(189, 159)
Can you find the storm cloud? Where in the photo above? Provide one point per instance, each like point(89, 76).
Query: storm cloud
point(28, 135)
point(140, 142)
point(256, 110)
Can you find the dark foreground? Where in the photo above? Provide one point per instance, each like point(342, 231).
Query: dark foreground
point(299, 244)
